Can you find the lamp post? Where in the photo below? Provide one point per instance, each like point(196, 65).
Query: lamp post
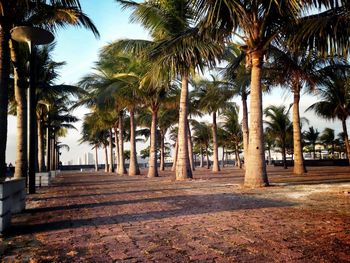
point(33, 36)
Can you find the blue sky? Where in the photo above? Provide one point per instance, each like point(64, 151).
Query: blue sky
point(79, 48)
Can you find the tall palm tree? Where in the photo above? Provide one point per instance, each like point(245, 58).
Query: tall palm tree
point(335, 100)
point(213, 96)
point(50, 14)
point(278, 124)
point(178, 44)
point(297, 69)
point(237, 72)
point(258, 24)
point(127, 72)
point(311, 136)
point(233, 129)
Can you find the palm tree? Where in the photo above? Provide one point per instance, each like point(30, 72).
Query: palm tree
point(167, 118)
point(311, 137)
point(180, 45)
point(233, 130)
point(101, 84)
point(335, 100)
point(94, 132)
point(297, 69)
point(326, 31)
point(153, 98)
point(223, 143)
point(278, 126)
point(237, 73)
point(50, 14)
point(201, 137)
point(327, 137)
point(269, 143)
point(258, 24)
point(127, 72)
point(213, 96)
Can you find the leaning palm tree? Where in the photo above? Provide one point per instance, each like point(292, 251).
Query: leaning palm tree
point(213, 96)
point(178, 44)
point(335, 100)
point(278, 124)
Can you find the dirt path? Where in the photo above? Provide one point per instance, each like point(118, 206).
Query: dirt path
point(89, 217)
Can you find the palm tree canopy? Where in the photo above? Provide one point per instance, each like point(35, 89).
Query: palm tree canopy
point(278, 122)
point(177, 43)
point(335, 96)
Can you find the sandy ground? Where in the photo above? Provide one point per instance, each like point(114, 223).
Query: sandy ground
point(98, 217)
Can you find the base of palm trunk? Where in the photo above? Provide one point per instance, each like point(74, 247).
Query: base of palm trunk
point(299, 170)
point(256, 181)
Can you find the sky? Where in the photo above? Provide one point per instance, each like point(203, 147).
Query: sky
point(79, 49)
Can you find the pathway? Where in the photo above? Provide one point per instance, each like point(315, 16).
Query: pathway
point(97, 217)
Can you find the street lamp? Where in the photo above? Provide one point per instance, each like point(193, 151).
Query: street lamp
point(32, 36)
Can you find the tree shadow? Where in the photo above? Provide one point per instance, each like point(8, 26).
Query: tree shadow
point(140, 191)
point(184, 205)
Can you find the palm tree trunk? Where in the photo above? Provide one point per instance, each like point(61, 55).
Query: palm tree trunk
point(284, 155)
point(236, 159)
point(121, 167)
point(162, 153)
point(255, 175)
point(223, 156)
point(207, 153)
point(116, 142)
point(202, 157)
point(133, 165)
point(21, 108)
point(183, 168)
point(53, 152)
point(176, 150)
point(41, 147)
point(4, 81)
point(48, 145)
point(50, 155)
point(190, 147)
point(152, 164)
point(58, 159)
point(216, 167)
point(245, 129)
point(239, 162)
point(299, 167)
point(110, 167)
point(346, 139)
point(106, 158)
point(96, 158)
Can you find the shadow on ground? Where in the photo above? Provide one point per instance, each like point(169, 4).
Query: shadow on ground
point(185, 205)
